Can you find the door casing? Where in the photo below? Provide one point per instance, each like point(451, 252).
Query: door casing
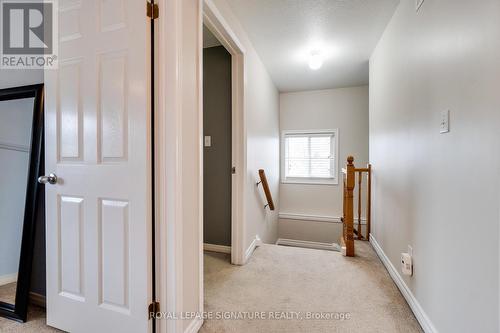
point(172, 74)
point(219, 27)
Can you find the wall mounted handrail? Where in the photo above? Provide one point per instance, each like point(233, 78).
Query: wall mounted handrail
point(267, 191)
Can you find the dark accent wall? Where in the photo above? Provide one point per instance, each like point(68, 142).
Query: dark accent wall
point(217, 158)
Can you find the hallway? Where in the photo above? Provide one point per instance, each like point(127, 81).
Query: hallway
point(297, 280)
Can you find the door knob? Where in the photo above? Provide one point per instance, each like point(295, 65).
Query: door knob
point(51, 179)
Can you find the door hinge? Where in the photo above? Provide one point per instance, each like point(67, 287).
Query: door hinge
point(153, 309)
point(152, 10)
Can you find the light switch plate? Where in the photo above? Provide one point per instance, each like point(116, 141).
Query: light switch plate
point(418, 4)
point(445, 122)
point(208, 141)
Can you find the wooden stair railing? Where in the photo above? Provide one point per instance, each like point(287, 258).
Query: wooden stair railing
point(267, 191)
point(348, 230)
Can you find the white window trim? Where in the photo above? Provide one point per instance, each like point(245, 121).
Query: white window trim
point(310, 181)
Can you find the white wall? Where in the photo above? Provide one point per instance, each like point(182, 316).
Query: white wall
point(440, 192)
point(347, 110)
point(262, 137)
point(17, 77)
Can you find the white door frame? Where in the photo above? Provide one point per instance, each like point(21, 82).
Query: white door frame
point(168, 144)
point(220, 28)
point(172, 29)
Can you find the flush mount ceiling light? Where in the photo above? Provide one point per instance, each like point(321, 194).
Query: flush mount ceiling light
point(315, 60)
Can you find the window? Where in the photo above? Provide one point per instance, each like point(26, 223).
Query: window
point(309, 157)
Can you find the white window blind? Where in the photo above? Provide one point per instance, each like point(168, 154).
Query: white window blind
point(309, 155)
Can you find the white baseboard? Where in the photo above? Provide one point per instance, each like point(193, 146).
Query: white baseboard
point(315, 218)
point(308, 244)
point(255, 243)
point(415, 306)
point(38, 299)
point(194, 326)
point(343, 250)
point(8, 278)
point(217, 248)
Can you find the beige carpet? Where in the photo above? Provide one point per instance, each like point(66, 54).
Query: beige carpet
point(287, 279)
point(36, 323)
point(8, 293)
point(36, 315)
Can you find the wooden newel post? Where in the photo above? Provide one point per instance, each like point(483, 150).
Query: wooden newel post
point(349, 208)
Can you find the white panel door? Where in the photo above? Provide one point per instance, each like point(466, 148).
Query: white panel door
point(97, 143)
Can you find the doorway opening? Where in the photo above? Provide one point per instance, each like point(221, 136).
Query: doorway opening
point(217, 152)
point(224, 150)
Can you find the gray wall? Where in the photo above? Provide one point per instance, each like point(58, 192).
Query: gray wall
point(217, 158)
point(13, 78)
point(440, 192)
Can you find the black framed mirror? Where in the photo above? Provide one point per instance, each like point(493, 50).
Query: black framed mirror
point(21, 161)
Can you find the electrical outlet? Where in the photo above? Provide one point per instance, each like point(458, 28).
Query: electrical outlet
point(410, 250)
point(406, 264)
point(418, 4)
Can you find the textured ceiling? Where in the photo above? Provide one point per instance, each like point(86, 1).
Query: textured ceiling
point(284, 32)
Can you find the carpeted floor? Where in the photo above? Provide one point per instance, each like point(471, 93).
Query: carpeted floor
point(8, 293)
point(286, 281)
point(296, 281)
point(36, 323)
point(36, 315)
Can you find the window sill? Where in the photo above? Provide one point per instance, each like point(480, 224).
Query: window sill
point(311, 181)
